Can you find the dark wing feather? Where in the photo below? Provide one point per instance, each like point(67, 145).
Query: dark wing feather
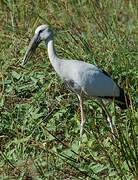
point(106, 73)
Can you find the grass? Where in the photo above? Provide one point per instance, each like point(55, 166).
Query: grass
point(39, 128)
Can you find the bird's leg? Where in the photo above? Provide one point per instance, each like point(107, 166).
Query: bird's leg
point(82, 115)
point(109, 118)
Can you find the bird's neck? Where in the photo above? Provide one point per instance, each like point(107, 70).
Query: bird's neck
point(52, 54)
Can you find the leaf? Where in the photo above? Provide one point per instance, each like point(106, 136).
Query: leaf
point(35, 113)
point(22, 140)
point(54, 149)
point(68, 152)
point(84, 138)
point(50, 138)
point(98, 168)
point(75, 146)
point(15, 75)
point(1, 101)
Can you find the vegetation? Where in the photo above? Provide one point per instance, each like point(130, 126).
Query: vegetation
point(39, 117)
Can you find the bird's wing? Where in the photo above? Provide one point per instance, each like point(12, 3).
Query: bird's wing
point(71, 71)
point(96, 83)
point(88, 78)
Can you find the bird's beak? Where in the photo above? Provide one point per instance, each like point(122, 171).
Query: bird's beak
point(31, 48)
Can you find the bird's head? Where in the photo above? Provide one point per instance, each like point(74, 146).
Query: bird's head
point(42, 33)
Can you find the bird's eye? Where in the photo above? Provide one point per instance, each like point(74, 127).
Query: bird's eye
point(41, 31)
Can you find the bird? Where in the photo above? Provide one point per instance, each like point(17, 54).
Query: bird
point(84, 79)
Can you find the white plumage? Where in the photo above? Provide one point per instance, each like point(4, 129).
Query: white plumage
point(87, 78)
point(83, 78)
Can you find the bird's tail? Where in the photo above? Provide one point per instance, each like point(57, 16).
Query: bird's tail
point(123, 101)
